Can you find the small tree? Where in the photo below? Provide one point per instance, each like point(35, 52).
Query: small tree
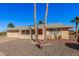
point(41, 22)
point(11, 25)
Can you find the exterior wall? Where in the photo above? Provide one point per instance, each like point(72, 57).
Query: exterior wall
point(65, 34)
point(41, 36)
point(49, 35)
point(15, 35)
point(25, 37)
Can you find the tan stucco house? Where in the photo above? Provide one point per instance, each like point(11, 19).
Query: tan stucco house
point(28, 32)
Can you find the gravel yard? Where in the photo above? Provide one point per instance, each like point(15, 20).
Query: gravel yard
point(23, 47)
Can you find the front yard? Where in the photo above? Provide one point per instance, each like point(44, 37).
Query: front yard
point(23, 47)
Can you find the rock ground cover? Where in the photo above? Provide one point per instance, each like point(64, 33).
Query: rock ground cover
point(23, 47)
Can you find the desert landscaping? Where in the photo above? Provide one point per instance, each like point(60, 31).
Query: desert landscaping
point(24, 47)
point(27, 34)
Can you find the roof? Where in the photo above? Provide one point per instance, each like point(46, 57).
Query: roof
point(40, 26)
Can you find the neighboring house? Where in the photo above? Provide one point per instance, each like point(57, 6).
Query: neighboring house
point(28, 32)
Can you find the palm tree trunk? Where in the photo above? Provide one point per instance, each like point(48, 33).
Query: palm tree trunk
point(77, 31)
point(35, 26)
point(45, 19)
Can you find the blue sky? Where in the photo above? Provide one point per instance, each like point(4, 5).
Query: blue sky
point(22, 14)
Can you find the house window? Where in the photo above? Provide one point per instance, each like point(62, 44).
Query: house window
point(57, 29)
point(40, 31)
point(33, 31)
point(25, 32)
point(50, 29)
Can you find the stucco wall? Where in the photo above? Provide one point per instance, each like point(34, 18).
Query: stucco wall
point(65, 34)
point(39, 37)
point(15, 34)
point(50, 35)
point(25, 36)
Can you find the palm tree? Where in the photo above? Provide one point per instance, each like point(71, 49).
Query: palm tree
point(45, 19)
point(76, 20)
point(35, 25)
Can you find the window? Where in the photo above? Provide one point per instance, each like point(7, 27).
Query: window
point(50, 29)
point(25, 32)
point(40, 31)
point(33, 31)
point(57, 29)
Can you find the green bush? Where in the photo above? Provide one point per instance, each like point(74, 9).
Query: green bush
point(3, 33)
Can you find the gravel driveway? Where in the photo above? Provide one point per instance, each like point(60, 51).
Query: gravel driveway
point(23, 47)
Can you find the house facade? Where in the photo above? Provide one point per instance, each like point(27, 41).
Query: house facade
point(53, 31)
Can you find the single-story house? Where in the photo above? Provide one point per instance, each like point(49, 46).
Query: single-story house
point(28, 32)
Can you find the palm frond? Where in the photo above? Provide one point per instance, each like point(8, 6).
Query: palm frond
point(77, 18)
point(72, 21)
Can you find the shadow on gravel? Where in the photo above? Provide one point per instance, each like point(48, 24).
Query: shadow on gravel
point(72, 45)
